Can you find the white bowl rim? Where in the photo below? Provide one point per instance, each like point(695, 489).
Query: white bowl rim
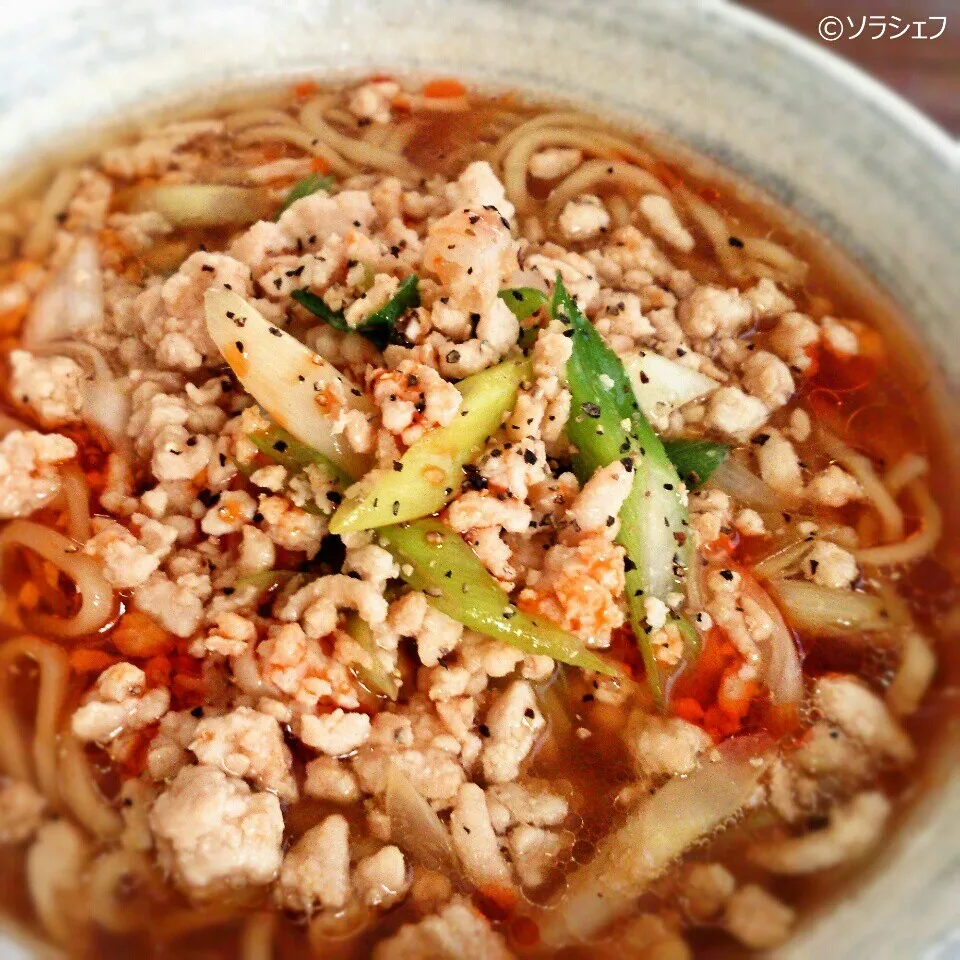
point(944, 153)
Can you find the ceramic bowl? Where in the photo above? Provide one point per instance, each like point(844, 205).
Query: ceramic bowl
point(853, 159)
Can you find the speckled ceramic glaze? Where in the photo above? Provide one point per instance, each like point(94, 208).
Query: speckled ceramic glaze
point(870, 172)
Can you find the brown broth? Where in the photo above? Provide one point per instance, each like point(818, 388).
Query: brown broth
point(897, 409)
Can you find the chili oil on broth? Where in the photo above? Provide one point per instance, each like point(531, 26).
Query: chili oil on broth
point(896, 394)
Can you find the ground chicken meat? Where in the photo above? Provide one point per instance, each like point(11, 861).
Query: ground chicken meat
point(371, 101)
point(794, 339)
point(437, 634)
point(534, 852)
point(247, 744)
point(235, 605)
point(316, 870)
point(167, 754)
point(598, 505)
point(159, 151)
point(579, 587)
point(839, 338)
point(214, 833)
point(479, 187)
point(848, 703)
point(231, 513)
point(119, 704)
point(584, 218)
point(419, 743)
point(296, 666)
point(176, 605)
point(768, 378)
point(529, 801)
point(758, 919)
point(330, 779)
point(475, 510)
point(174, 324)
point(49, 386)
point(834, 487)
point(831, 566)
point(474, 840)
point(514, 722)
point(710, 514)
point(28, 477)
point(469, 257)
point(290, 527)
point(735, 413)
point(768, 300)
point(380, 293)
point(336, 734)
point(129, 560)
point(709, 311)
point(665, 745)
point(853, 829)
point(382, 879)
point(779, 464)
point(414, 398)
point(231, 637)
point(317, 606)
point(456, 932)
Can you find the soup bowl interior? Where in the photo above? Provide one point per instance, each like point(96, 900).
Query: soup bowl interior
point(849, 157)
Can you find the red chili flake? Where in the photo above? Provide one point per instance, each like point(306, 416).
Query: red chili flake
point(524, 933)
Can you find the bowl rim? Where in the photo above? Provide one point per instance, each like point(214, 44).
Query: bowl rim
point(811, 56)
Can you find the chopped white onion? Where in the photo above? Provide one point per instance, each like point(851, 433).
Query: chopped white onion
point(747, 489)
point(73, 301)
point(828, 612)
point(784, 559)
point(204, 204)
point(415, 826)
point(84, 353)
point(106, 403)
point(286, 378)
point(662, 828)
point(662, 385)
point(783, 672)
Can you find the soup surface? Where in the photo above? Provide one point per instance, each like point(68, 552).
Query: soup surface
point(437, 525)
